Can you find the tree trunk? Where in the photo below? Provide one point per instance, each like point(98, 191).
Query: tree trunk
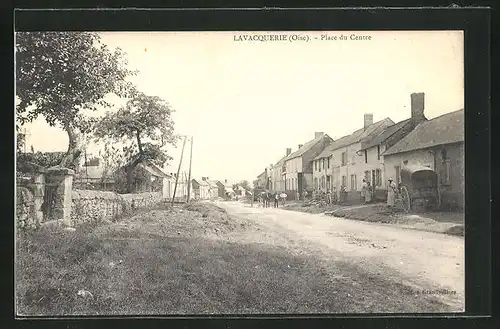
point(130, 173)
point(72, 157)
point(130, 179)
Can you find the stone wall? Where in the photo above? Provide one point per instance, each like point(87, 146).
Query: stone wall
point(141, 200)
point(91, 206)
point(29, 199)
point(25, 203)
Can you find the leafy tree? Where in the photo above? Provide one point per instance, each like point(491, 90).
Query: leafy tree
point(245, 184)
point(145, 126)
point(25, 161)
point(61, 74)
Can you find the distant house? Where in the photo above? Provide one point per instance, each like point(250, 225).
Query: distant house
point(225, 189)
point(263, 180)
point(241, 191)
point(213, 189)
point(148, 177)
point(340, 163)
point(181, 191)
point(276, 174)
point(92, 175)
point(439, 145)
point(201, 188)
point(298, 170)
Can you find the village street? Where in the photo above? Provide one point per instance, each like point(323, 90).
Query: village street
point(424, 262)
point(230, 258)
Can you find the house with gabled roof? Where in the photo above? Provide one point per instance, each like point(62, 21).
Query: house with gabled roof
point(340, 163)
point(226, 189)
point(372, 149)
point(276, 174)
point(201, 188)
point(297, 168)
point(438, 144)
point(213, 188)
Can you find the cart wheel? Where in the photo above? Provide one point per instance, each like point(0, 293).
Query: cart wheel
point(405, 198)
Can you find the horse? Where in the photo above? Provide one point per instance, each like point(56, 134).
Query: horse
point(266, 197)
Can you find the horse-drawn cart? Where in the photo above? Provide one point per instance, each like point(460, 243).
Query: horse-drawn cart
point(418, 188)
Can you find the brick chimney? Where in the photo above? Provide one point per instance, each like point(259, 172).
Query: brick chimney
point(288, 151)
point(417, 108)
point(318, 134)
point(368, 120)
point(300, 145)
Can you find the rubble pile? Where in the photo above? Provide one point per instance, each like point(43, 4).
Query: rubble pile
point(196, 219)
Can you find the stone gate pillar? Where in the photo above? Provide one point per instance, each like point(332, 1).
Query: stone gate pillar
point(62, 178)
point(38, 193)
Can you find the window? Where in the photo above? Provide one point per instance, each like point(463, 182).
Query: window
point(328, 182)
point(344, 181)
point(319, 164)
point(378, 177)
point(329, 162)
point(367, 177)
point(398, 173)
point(378, 152)
point(315, 183)
point(353, 182)
point(445, 177)
point(344, 159)
point(366, 156)
point(315, 165)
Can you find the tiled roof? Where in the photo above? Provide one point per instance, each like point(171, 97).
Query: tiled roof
point(153, 169)
point(212, 183)
point(388, 132)
point(306, 147)
point(355, 137)
point(280, 162)
point(201, 181)
point(445, 129)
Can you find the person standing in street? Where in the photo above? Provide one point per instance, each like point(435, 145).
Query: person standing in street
point(329, 196)
point(276, 200)
point(283, 198)
point(363, 191)
point(391, 193)
point(368, 193)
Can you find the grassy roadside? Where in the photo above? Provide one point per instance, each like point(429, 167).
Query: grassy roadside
point(447, 223)
point(168, 261)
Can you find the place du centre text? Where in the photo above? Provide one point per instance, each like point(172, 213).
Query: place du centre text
point(299, 37)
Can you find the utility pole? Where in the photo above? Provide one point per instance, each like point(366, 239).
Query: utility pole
point(189, 176)
point(178, 171)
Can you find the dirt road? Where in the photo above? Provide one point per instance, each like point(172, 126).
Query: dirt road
point(423, 263)
point(201, 259)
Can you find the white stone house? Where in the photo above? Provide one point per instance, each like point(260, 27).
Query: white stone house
point(346, 163)
point(298, 171)
point(372, 150)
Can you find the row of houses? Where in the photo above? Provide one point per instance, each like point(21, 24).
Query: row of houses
point(93, 174)
point(376, 152)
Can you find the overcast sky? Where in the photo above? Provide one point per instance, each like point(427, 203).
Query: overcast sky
point(245, 102)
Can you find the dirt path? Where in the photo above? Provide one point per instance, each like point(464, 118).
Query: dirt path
point(428, 263)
